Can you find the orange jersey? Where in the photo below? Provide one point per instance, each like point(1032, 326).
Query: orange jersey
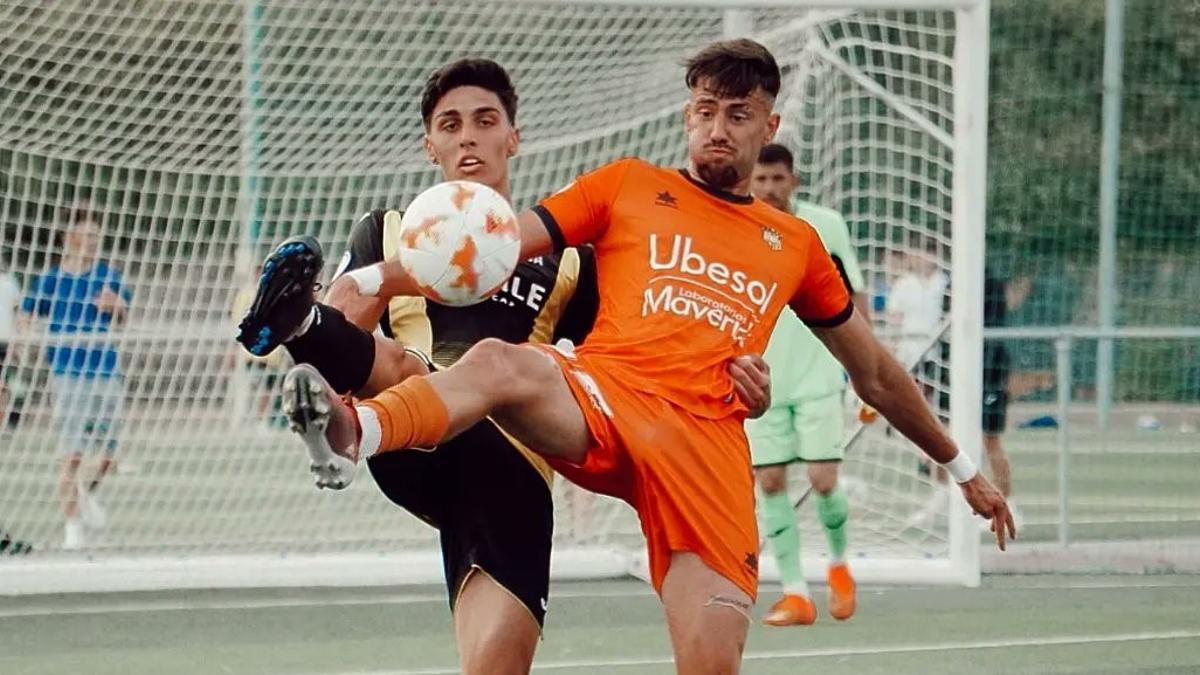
point(690, 277)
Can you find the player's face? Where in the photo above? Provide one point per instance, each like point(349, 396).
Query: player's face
point(471, 138)
point(726, 134)
point(774, 184)
point(83, 240)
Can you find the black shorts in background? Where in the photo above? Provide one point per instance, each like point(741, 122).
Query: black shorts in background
point(995, 388)
point(492, 507)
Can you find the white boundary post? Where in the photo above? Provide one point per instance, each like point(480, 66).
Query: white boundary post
point(968, 213)
point(1110, 162)
point(1062, 350)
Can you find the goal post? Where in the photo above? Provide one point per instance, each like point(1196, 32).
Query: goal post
point(206, 132)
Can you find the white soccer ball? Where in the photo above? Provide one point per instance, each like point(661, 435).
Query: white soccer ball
point(459, 242)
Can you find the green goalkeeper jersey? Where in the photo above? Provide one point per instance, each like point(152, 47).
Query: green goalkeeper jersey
point(801, 367)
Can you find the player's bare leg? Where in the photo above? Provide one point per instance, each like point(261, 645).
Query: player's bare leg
point(520, 387)
point(998, 461)
point(1001, 467)
point(393, 364)
point(523, 389)
point(68, 498)
point(832, 511)
point(707, 616)
point(496, 634)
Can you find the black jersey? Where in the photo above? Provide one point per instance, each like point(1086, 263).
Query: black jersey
point(548, 298)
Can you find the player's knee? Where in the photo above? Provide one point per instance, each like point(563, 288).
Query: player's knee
point(493, 653)
point(772, 479)
point(711, 652)
point(491, 360)
point(823, 476)
point(992, 446)
point(512, 371)
point(69, 466)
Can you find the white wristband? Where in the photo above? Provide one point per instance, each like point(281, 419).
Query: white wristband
point(961, 468)
point(369, 279)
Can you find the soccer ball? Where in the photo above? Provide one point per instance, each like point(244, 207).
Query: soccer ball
point(459, 242)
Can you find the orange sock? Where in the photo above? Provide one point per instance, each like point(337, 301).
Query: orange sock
point(411, 415)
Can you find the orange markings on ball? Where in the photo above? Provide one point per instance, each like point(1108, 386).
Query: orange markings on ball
point(464, 260)
point(431, 293)
point(427, 227)
point(461, 197)
point(497, 224)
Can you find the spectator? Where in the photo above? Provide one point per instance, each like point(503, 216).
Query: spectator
point(78, 301)
point(10, 296)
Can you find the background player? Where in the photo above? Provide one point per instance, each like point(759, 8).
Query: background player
point(692, 271)
point(806, 420)
point(489, 497)
point(82, 295)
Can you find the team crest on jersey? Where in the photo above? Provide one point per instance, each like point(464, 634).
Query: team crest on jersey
point(773, 238)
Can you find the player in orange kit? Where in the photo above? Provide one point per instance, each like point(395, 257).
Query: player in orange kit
point(693, 273)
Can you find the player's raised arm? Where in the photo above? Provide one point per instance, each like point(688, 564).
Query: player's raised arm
point(825, 305)
point(886, 386)
point(365, 248)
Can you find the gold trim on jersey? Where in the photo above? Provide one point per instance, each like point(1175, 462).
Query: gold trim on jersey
point(556, 304)
point(407, 316)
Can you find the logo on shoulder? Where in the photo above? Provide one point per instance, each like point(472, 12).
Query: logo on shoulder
point(773, 238)
point(665, 198)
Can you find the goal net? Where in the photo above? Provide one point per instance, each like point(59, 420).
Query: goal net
point(202, 133)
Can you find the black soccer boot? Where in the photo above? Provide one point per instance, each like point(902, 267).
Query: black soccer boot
point(285, 295)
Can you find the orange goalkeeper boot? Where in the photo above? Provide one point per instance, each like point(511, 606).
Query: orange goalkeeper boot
point(841, 592)
point(792, 610)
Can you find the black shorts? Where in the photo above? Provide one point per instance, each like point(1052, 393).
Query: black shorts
point(995, 388)
point(492, 507)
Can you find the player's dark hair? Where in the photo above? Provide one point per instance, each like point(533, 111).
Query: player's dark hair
point(734, 69)
point(775, 153)
point(482, 73)
point(79, 212)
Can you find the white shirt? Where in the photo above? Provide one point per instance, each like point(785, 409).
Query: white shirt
point(10, 295)
point(917, 301)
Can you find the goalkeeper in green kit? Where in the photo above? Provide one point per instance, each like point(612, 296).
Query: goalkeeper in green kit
point(806, 419)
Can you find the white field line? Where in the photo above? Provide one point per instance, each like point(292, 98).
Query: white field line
point(99, 606)
point(102, 604)
point(912, 648)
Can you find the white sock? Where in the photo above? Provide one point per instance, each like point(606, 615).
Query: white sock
point(372, 434)
point(798, 588)
point(309, 320)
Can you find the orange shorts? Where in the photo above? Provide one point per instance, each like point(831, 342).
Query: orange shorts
point(688, 477)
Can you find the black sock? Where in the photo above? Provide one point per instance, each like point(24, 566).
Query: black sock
point(340, 350)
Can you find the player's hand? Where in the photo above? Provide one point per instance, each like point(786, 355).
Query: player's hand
point(752, 382)
point(867, 414)
point(109, 302)
point(986, 501)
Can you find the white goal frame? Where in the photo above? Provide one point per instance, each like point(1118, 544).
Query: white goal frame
point(51, 573)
